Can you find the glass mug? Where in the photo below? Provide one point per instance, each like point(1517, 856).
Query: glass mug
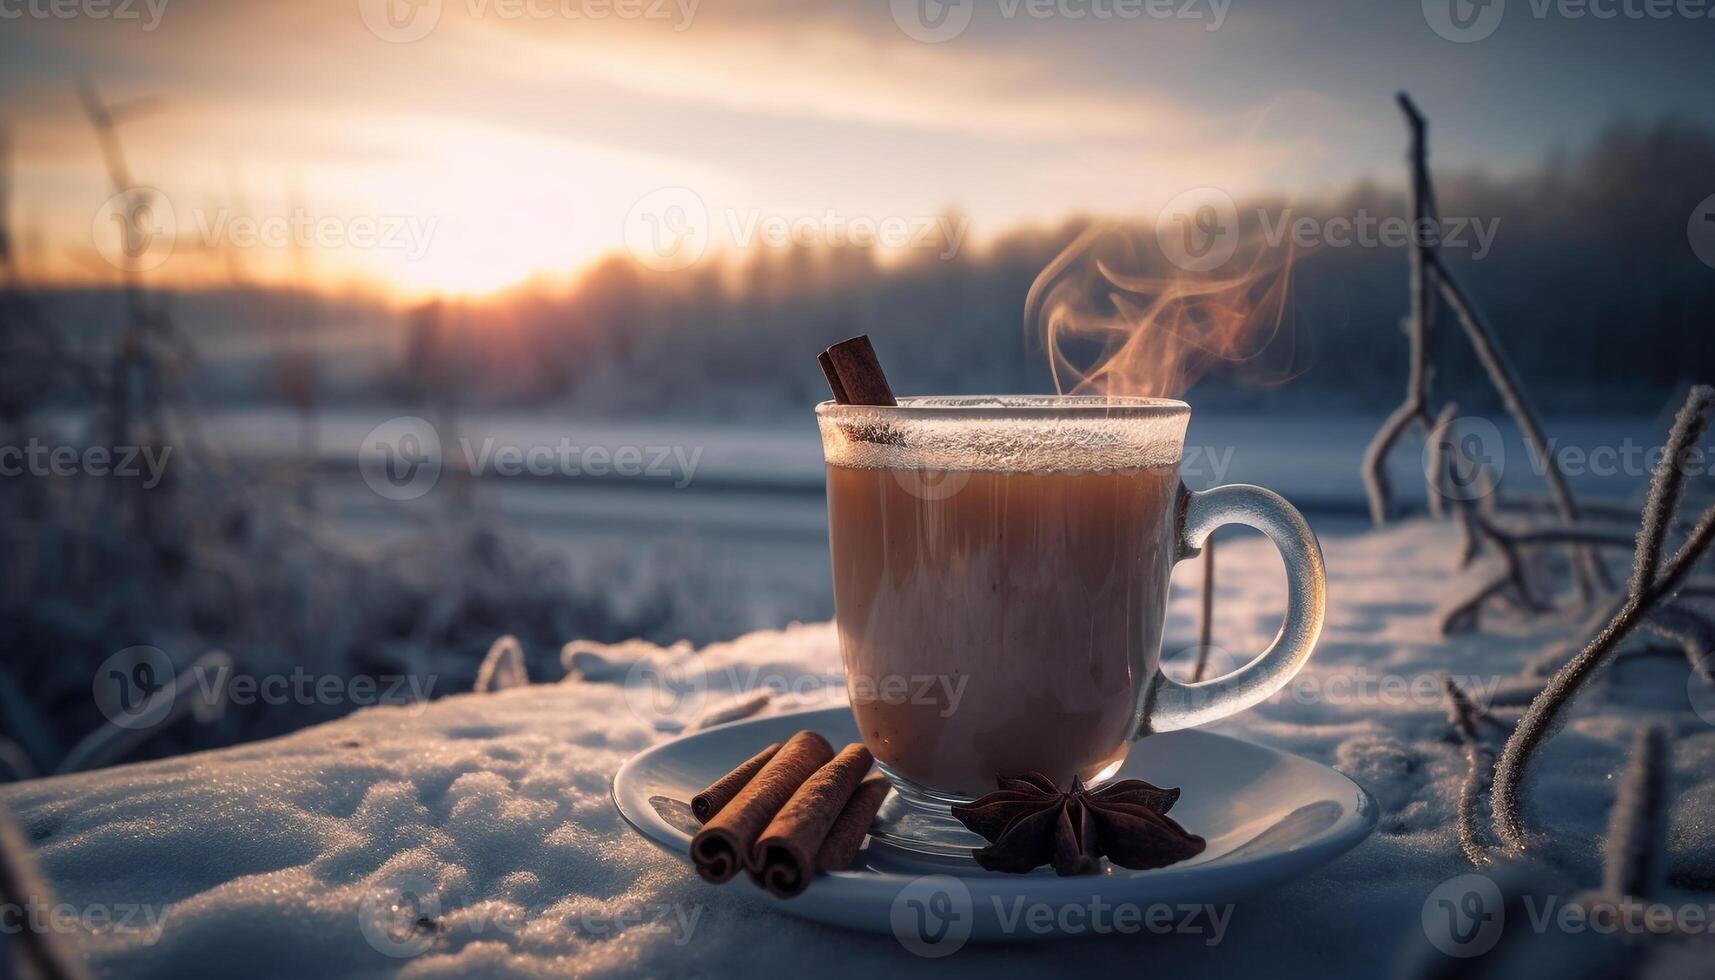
point(1001, 570)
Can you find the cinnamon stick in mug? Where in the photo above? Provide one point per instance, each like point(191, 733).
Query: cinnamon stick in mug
point(722, 848)
point(711, 801)
point(784, 856)
point(848, 832)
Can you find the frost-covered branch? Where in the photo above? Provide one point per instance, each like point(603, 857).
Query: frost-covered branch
point(1414, 410)
point(1546, 711)
point(22, 888)
point(502, 667)
point(1587, 568)
point(1639, 817)
point(1462, 715)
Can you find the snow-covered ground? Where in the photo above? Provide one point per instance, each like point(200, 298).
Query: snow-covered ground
point(493, 810)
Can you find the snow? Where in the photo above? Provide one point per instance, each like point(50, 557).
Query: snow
point(493, 809)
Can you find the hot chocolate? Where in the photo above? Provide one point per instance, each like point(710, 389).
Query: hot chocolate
point(994, 622)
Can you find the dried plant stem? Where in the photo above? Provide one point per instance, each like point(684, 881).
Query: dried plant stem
point(1691, 631)
point(1462, 715)
point(1206, 628)
point(1667, 484)
point(1638, 818)
point(21, 887)
point(1588, 571)
point(1546, 711)
point(1415, 408)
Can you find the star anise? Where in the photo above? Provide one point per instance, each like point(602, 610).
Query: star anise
point(1030, 822)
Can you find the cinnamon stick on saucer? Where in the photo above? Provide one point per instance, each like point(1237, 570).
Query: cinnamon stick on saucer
point(711, 801)
point(854, 373)
point(721, 849)
point(784, 857)
point(848, 832)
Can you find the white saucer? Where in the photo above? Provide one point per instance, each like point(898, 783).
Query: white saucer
point(1268, 816)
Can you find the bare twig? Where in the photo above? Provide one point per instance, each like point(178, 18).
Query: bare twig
point(1414, 410)
point(21, 887)
point(1667, 483)
point(502, 667)
point(1691, 631)
point(1545, 713)
point(1639, 817)
point(1462, 715)
point(1587, 568)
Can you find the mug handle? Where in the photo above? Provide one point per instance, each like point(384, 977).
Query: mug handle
point(1173, 705)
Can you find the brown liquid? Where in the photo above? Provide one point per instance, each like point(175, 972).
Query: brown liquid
point(1042, 594)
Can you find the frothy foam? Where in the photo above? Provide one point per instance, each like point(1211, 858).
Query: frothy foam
point(1014, 434)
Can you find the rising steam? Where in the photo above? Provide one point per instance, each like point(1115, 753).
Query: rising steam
point(1112, 326)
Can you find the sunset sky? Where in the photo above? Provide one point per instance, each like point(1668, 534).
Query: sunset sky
point(518, 137)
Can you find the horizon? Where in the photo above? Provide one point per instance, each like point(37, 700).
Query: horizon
point(559, 141)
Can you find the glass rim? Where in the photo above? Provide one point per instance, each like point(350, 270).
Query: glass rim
point(1014, 407)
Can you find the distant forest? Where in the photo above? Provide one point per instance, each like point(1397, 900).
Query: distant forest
point(1590, 281)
